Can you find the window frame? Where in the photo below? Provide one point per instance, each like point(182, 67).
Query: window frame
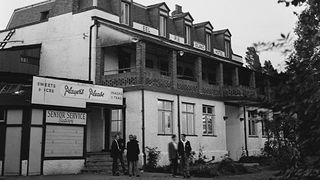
point(213, 124)
point(125, 13)
point(163, 110)
point(252, 125)
point(119, 120)
point(208, 42)
point(186, 113)
point(163, 26)
point(188, 34)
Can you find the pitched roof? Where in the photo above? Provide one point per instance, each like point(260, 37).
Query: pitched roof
point(203, 24)
point(158, 5)
point(222, 31)
point(182, 15)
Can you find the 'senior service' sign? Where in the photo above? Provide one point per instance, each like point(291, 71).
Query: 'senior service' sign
point(55, 92)
point(66, 117)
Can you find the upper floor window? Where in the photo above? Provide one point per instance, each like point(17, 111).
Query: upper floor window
point(187, 119)
point(163, 26)
point(125, 13)
point(208, 120)
point(208, 42)
point(165, 117)
point(252, 115)
point(228, 48)
point(188, 34)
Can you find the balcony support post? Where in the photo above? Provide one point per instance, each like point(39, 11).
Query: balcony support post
point(141, 61)
point(99, 63)
point(235, 77)
point(253, 79)
point(219, 74)
point(173, 68)
point(198, 70)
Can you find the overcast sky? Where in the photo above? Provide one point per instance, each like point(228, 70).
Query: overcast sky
point(248, 20)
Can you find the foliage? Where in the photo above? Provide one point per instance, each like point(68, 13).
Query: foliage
point(269, 69)
point(253, 59)
point(201, 157)
point(153, 157)
point(262, 160)
point(283, 43)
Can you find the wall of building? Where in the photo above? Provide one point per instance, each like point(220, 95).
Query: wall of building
point(234, 132)
point(55, 167)
point(65, 43)
point(211, 146)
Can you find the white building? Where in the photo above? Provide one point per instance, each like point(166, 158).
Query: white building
point(178, 77)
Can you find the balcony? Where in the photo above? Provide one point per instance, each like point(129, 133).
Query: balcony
point(237, 58)
point(157, 80)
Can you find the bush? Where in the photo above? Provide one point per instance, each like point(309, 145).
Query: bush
point(262, 160)
point(153, 158)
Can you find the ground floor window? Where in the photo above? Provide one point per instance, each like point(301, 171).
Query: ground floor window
point(208, 120)
point(187, 119)
point(2, 133)
point(116, 121)
point(165, 117)
point(252, 116)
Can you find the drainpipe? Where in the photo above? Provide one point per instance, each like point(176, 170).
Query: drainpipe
point(143, 129)
point(245, 131)
point(178, 107)
point(90, 47)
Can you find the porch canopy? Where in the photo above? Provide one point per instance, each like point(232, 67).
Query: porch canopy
point(111, 37)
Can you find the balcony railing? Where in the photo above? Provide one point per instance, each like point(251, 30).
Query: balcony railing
point(156, 79)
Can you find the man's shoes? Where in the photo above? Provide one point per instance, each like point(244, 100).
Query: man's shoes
point(188, 177)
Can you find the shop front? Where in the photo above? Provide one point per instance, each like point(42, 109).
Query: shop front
point(64, 121)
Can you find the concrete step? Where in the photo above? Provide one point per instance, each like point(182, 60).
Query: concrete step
point(100, 163)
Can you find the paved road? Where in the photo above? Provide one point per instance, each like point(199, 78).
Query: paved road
point(264, 175)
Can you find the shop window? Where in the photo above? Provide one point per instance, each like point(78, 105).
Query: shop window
point(187, 119)
point(163, 26)
point(208, 120)
point(116, 121)
point(125, 13)
point(188, 34)
point(165, 117)
point(252, 117)
point(208, 42)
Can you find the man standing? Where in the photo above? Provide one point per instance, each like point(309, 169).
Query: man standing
point(115, 154)
point(133, 152)
point(184, 150)
point(173, 154)
point(122, 146)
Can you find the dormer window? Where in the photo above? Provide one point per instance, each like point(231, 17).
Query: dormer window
point(208, 42)
point(163, 26)
point(125, 13)
point(227, 48)
point(188, 34)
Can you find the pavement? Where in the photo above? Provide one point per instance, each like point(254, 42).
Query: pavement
point(263, 175)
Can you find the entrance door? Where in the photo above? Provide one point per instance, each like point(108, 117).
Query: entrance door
point(114, 125)
point(95, 129)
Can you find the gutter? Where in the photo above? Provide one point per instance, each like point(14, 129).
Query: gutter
point(90, 48)
point(245, 131)
point(143, 129)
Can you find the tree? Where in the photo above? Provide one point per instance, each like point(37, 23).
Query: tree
point(253, 59)
point(268, 68)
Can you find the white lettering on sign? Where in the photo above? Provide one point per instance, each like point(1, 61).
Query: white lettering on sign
point(146, 29)
point(47, 91)
point(219, 52)
point(199, 45)
point(176, 38)
point(65, 117)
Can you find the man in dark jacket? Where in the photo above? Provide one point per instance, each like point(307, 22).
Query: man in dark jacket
point(184, 150)
point(122, 146)
point(115, 154)
point(133, 152)
point(173, 154)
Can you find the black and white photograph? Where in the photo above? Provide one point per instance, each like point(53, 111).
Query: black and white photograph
point(159, 89)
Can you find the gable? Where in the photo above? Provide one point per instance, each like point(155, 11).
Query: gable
point(164, 7)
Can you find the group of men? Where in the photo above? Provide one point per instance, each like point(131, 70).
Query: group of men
point(177, 151)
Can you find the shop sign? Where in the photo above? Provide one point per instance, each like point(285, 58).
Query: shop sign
point(146, 29)
point(198, 45)
point(66, 117)
point(55, 92)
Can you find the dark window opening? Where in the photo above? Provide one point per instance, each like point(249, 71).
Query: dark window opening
point(149, 64)
point(44, 16)
point(124, 62)
point(164, 68)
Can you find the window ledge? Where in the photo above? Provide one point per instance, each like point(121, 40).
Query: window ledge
point(165, 134)
point(192, 135)
point(253, 136)
point(204, 135)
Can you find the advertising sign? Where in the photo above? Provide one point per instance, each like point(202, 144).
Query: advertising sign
point(66, 117)
point(55, 92)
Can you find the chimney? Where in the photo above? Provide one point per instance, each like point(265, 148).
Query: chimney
point(178, 10)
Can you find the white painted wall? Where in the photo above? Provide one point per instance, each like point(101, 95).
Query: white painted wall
point(64, 50)
point(55, 167)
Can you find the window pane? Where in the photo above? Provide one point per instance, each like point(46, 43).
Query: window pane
point(210, 125)
point(190, 122)
point(168, 123)
point(168, 105)
point(1, 115)
point(160, 104)
point(204, 122)
point(190, 108)
point(184, 124)
point(184, 107)
point(210, 110)
point(204, 109)
point(160, 122)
